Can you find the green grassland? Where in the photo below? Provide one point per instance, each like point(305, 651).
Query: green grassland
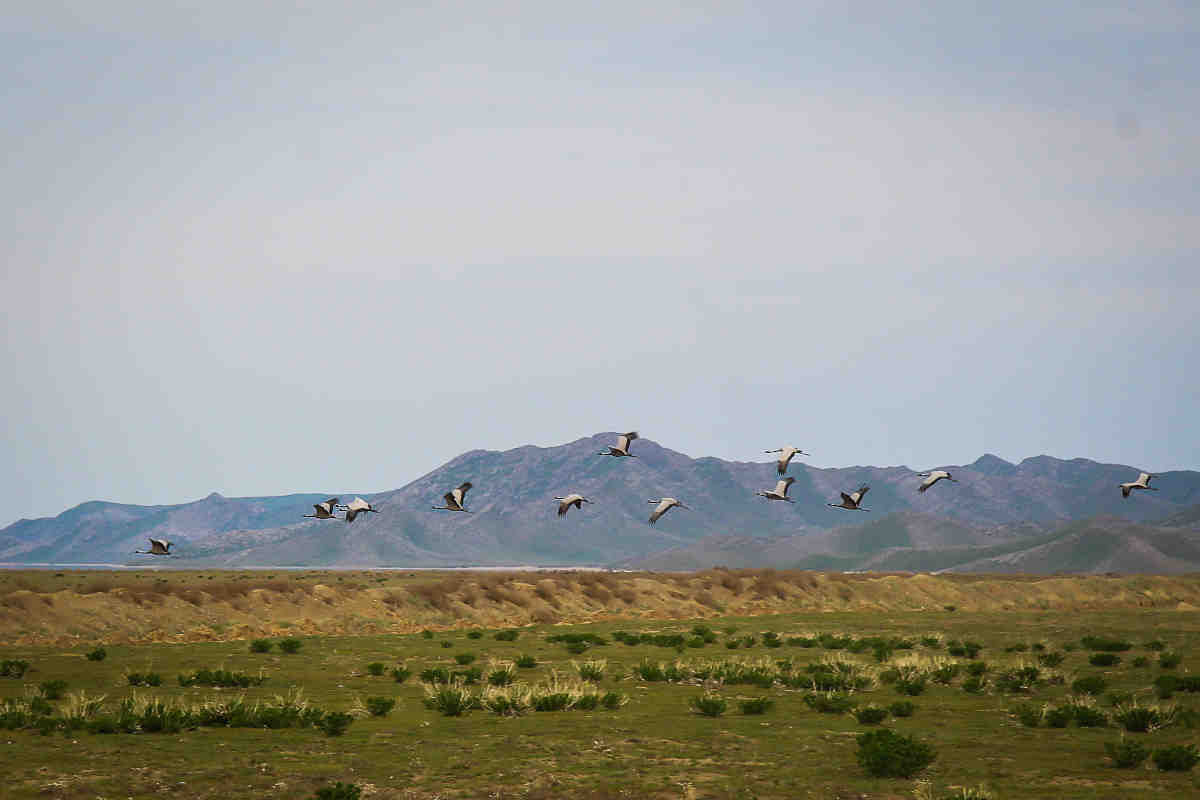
point(654, 745)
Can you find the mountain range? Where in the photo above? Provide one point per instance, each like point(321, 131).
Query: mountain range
point(996, 511)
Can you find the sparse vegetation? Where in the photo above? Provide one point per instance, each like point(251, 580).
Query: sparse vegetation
point(1105, 644)
point(375, 668)
point(13, 668)
point(1127, 753)
point(1179, 758)
point(221, 677)
point(708, 705)
point(261, 645)
point(756, 705)
point(870, 715)
point(290, 645)
point(380, 706)
point(401, 674)
point(1104, 659)
point(339, 791)
point(97, 654)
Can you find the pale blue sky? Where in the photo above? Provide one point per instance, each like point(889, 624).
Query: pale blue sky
point(254, 250)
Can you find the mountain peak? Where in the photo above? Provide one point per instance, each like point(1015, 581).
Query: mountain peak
point(990, 464)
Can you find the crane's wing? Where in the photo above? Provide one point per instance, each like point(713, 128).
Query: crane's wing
point(782, 486)
point(847, 499)
point(1124, 490)
point(1145, 478)
point(625, 439)
point(320, 508)
point(351, 513)
point(460, 493)
point(450, 499)
point(331, 502)
point(925, 484)
point(562, 507)
point(662, 508)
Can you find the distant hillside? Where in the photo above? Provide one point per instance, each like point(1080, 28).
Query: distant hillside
point(514, 521)
point(1187, 518)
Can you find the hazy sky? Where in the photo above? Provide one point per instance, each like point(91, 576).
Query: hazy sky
point(258, 250)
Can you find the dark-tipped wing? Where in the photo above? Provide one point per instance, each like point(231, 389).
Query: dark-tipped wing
point(1124, 491)
point(846, 499)
point(351, 513)
point(451, 502)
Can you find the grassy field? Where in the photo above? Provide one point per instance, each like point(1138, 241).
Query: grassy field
point(654, 745)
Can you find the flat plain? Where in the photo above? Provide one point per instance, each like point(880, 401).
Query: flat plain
point(660, 641)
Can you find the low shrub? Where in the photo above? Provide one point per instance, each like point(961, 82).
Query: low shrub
point(261, 645)
point(335, 723)
point(401, 674)
point(338, 791)
point(507, 635)
point(1104, 659)
point(931, 641)
point(474, 634)
point(577, 648)
point(1143, 719)
point(650, 672)
point(526, 662)
point(945, 673)
point(829, 702)
point(447, 644)
point(1105, 644)
point(887, 754)
point(464, 658)
point(1017, 679)
point(380, 706)
point(13, 668)
point(870, 715)
point(1179, 758)
point(977, 668)
point(1089, 684)
point(1089, 716)
point(613, 700)
point(708, 705)
point(1127, 753)
point(468, 676)
point(912, 685)
point(592, 670)
point(1155, 645)
point(756, 705)
point(1169, 660)
point(965, 649)
point(976, 684)
point(1017, 647)
point(375, 668)
point(427, 634)
point(451, 701)
point(1051, 659)
point(1119, 698)
point(221, 677)
point(902, 708)
point(502, 674)
point(1140, 662)
point(292, 645)
point(1058, 717)
point(98, 654)
point(53, 690)
point(1029, 715)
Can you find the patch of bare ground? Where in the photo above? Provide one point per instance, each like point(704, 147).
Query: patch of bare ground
point(69, 608)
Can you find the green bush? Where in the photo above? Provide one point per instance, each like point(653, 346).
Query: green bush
point(648, 671)
point(931, 641)
point(756, 705)
point(144, 678)
point(1017, 647)
point(1140, 661)
point(977, 668)
point(1119, 698)
point(887, 754)
point(98, 654)
point(946, 673)
point(261, 646)
point(708, 705)
point(53, 690)
point(474, 634)
point(1142, 719)
point(291, 645)
point(1104, 659)
point(902, 708)
point(587, 702)
point(870, 715)
point(1017, 679)
point(1105, 644)
point(1169, 660)
point(1051, 659)
point(526, 662)
point(375, 668)
point(447, 644)
point(966, 649)
point(500, 677)
point(829, 702)
point(464, 658)
point(451, 701)
point(434, 675)
point(221, 677)
point(552, 701)
point(1155, 645)
point(338, 791)
point(401, 674)
point(380, 706)
point(508, 635)
point(468, 676)
point(427, 634)
point(612, 700)
point(1089, 717)
point(1029, 715)
point(1126, 753)
point(912, 685)
point(592, 670)
point(13, 668)
point(1089, 684)
point(1058, 717)
point(577, 648)
point(976, 684)
point(1179, 758)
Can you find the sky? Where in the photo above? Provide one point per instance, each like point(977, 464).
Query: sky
point(258, 250)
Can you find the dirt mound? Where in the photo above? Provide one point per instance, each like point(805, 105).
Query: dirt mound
point(72, 607)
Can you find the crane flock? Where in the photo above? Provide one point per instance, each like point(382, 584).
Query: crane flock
point(455, 499)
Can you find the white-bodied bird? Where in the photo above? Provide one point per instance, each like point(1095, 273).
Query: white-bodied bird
point(324, 510)
point(358, 506)
point(622, 448)
point(933, 477)
point(664, 505)
point(158, 547)
point(785, 457)
point(780, 491)
point(455, 498)
point(565, 503)
point(1143, 482)
point(850, 501)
